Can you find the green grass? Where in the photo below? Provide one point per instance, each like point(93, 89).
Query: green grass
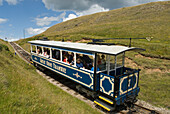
point(23, 90)
point(155, 88)
point(154, 79)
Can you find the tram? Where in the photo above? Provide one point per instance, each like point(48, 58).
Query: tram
point(99, 70)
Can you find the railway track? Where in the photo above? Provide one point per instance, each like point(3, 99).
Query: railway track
point(70, 86)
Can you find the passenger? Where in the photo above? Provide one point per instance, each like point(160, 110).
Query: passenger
point(98, 59)
point(92, 69)
point(72, 62)
point(77, 56)
point(70, 57)
point(103, 61)
point(45, 52)
point(48, 53)
point(65, 59)
point(79, 64)
point(87, 62)
point(38, 51)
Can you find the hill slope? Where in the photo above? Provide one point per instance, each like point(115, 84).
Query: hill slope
point(23, 90)
point(140, 21)
point(151, 19)
point(147, 20)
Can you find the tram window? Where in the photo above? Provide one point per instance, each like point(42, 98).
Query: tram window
point(119, 60)
point(84, 61)
point(56, 54)
point(33, 48)
point(101, 60)
point(87, 61)
point(112, 62)
point(39, 50)
point(46, 52)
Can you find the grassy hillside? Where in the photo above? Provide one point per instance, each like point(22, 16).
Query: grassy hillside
point(22, 90)
point(147, 20)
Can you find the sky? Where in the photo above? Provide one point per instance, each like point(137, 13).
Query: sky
point(25, 18)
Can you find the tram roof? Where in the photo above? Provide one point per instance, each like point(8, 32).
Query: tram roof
point(106, 49)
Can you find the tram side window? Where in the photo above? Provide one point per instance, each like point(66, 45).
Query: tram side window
point(33, 48)
point(46, 52)
point(119, 60)
point(56, 54)
point(68, 57)
point(88, 61)
point(112, 62)
point(84, 61)
point(39, 50)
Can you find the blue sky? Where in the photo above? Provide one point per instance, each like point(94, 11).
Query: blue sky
point(35, 16)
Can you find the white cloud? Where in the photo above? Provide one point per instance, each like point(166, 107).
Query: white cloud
point(70, 16)
point(93, 9)
point(10, 2)
point(48, 20)
point(3, 20)
point(83, 5)
point(34, 31)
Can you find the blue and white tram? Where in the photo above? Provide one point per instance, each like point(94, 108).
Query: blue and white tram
point(99, 68)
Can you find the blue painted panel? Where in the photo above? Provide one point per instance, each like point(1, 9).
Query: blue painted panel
point(107, 84)
point(127, 83)
point(78, 75)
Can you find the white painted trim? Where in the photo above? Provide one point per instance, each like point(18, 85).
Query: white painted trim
point(74, 59)
point(61, 56)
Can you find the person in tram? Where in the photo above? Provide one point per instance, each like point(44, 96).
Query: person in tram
point(87, 62)
point(38, 51)
point(70, 57)
point(103, 61)
point(65, 59)
point(92, 69)
point(46, 53)
point(72, 62)
point(79, 64)
point(98, 59)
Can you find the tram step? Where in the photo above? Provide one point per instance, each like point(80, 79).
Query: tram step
point(103, 104)
point(106, 99)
